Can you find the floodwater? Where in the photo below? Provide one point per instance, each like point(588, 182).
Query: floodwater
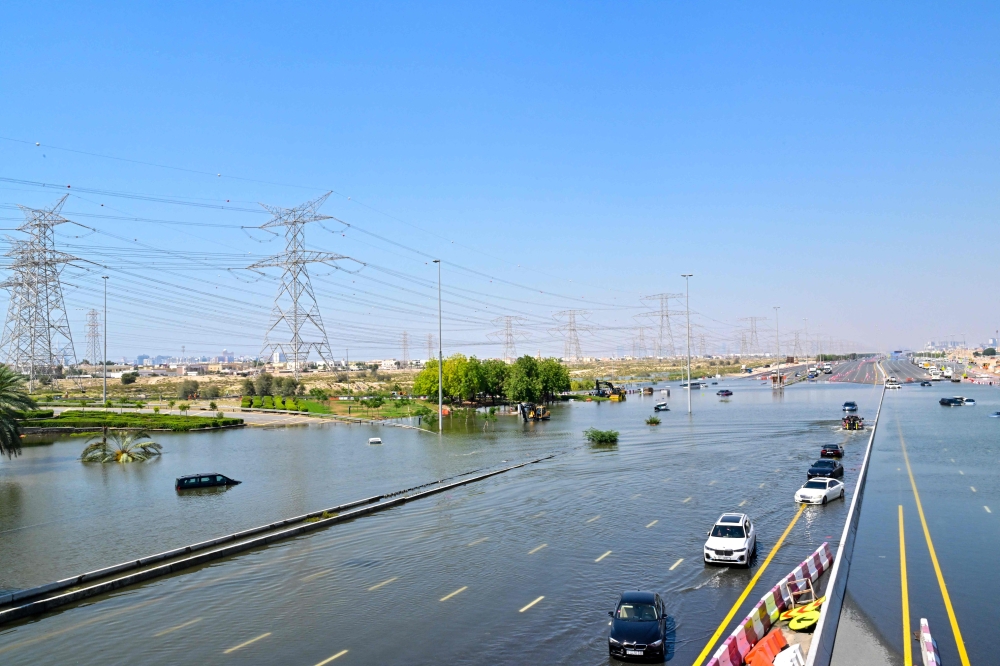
point(450, 578)
point(953, 453)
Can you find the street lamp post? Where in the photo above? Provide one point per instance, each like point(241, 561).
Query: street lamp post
point(105, 359)
point(440, 358)
point(777, 340)
point(687, 307)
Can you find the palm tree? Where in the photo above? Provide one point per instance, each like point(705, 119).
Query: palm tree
point(13, 399)
point(125, 446)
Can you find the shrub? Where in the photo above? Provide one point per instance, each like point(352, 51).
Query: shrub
point(595, 436)
point(268, 402)
point(257, 401)
point(212, 405)
point(246, 401)
point(652, 420)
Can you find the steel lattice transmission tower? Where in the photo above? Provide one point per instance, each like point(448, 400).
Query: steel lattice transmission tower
point(406, 349)
point(665, 337)
point(94, 337)
point(430, 347)
point(508, 335)
point(753, 342)
point(36, 337)
point(572, 349)
point(296, 327)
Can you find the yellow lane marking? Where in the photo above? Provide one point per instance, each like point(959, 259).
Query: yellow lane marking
point(973, 488)
point(458, 591)
point(315, 575)
point(753, 581)
point(907, 648)
point(712, 482)
point(329, 659)
point(961, 472)
point(959, 643)
point(652, 523)
point(536, 549)
point(531, 604)
point(603, 556)
point(987, 509)
point(479, 541)
point(539, 514)
point(676, 564)
point(686, 501)
point(246, 643)
point(743, 502)
point(179, 626)
point(594, 518)
point(761, 485)
point(953, 460)
point(385, 582)
point(637, 495)
point(666, 479)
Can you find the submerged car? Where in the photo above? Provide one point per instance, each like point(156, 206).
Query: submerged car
point(731, 540)
point(638, 627)
point(850, 406)
point(209, 480)
point(951, 402)
point(827, 468)
point(661, 407)
point(725, 393)
point(820, 490)
point(832, 451)
point(926, 383)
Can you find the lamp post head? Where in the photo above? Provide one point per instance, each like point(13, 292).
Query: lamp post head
point(687, 275)
point(437, 261)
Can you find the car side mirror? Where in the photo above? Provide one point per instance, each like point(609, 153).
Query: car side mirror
point(611, 613)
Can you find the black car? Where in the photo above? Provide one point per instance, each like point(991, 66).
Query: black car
point(638, 627)
point(850, 406)
point(832, 451)
point(951, 402)
point(830, 469)
point(208, 480)
point(926, 383)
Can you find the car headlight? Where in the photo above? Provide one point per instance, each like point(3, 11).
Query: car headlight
point(613, 641)
point(739, 550)
point(656, 644)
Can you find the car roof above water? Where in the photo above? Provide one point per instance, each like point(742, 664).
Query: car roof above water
point(194, 476)
point(639, 597)
point(730, 519)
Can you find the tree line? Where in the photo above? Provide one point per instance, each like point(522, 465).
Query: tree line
point(469, 379)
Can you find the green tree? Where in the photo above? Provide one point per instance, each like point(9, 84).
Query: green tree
point(555, 378)
point(426, 381)
point(318, 393)
point(210, 391)
point(13, 399)
point(213, 406)
point(524, 384)
point(129, 377)
point(494, 377)
point(454, 374)
point(247, 387)
point(124, 447)
point(262, 384)
point(187, 389)
point(183, 407)
point(171, 403)
point(473, 379)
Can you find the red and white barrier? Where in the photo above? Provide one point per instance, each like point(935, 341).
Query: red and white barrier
point(756, 625)
point(928, 650)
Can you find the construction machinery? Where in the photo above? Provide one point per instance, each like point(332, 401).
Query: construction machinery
point(532, 412)
point(608, 390)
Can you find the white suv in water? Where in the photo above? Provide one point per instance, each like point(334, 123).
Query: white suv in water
point(731, 540)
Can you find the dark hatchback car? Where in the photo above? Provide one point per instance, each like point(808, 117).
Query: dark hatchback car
point(209, 480)
point(826, 467)
point(638, 627)
point(832, 451)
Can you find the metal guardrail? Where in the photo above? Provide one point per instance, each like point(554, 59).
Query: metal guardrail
point(39, 600)
point(821, 649)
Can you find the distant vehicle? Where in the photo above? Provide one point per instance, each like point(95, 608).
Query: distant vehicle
point(995, 415)
point(638, 626)
point(951, 402)
point(608, 390)
point(850, 406)
point(969, 401)
point(812, 375)
point(827, 369)
point(832, 451)
point(694, 385)
point(893, 383)
point(826, 467)
point(731, 540)
point(374, 441)
point(725, 393)
point(820, 490)
point(532, 412)
point(812, 369)
point(209, 480)
point(926, 383)
point(661, 407)
point(852, 422)
point(647, 390)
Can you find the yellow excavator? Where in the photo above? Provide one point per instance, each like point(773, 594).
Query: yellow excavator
point(611, 392)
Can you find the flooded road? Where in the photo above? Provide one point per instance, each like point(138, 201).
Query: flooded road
point(520, 568)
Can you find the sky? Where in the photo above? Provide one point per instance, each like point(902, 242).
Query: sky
point(837, 162)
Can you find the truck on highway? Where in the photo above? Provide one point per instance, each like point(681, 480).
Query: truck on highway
point(827, 369)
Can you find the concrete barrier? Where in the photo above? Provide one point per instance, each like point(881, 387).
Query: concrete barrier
point(928, 646)
point(825, 634)
point(39, 599)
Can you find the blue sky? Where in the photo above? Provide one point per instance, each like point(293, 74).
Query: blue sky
point(838, 162)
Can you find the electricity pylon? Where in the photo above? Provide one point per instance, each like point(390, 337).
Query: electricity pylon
point(754, 343)
point(36, 339)
point(572, 349)
point(508, 335)
point(296, 327)
point(94, 337)
point(406, 350)
point(665, 337)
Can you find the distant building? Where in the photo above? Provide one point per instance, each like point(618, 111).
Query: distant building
point(389, 364)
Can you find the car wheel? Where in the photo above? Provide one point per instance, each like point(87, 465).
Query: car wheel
point(824, 499)
point(841, 493)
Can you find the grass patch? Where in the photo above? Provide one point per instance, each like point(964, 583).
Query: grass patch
point(653, 420)
point(97, 420)
point(601, 437)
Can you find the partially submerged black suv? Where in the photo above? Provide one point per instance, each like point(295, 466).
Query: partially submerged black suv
point(638, 627)
point(209, 480)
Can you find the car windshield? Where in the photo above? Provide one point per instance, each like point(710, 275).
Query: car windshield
point(825, 463)
point(729, 531)
point(633, 612)
point(815, 484)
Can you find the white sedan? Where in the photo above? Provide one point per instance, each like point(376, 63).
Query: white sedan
point(820, 490)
